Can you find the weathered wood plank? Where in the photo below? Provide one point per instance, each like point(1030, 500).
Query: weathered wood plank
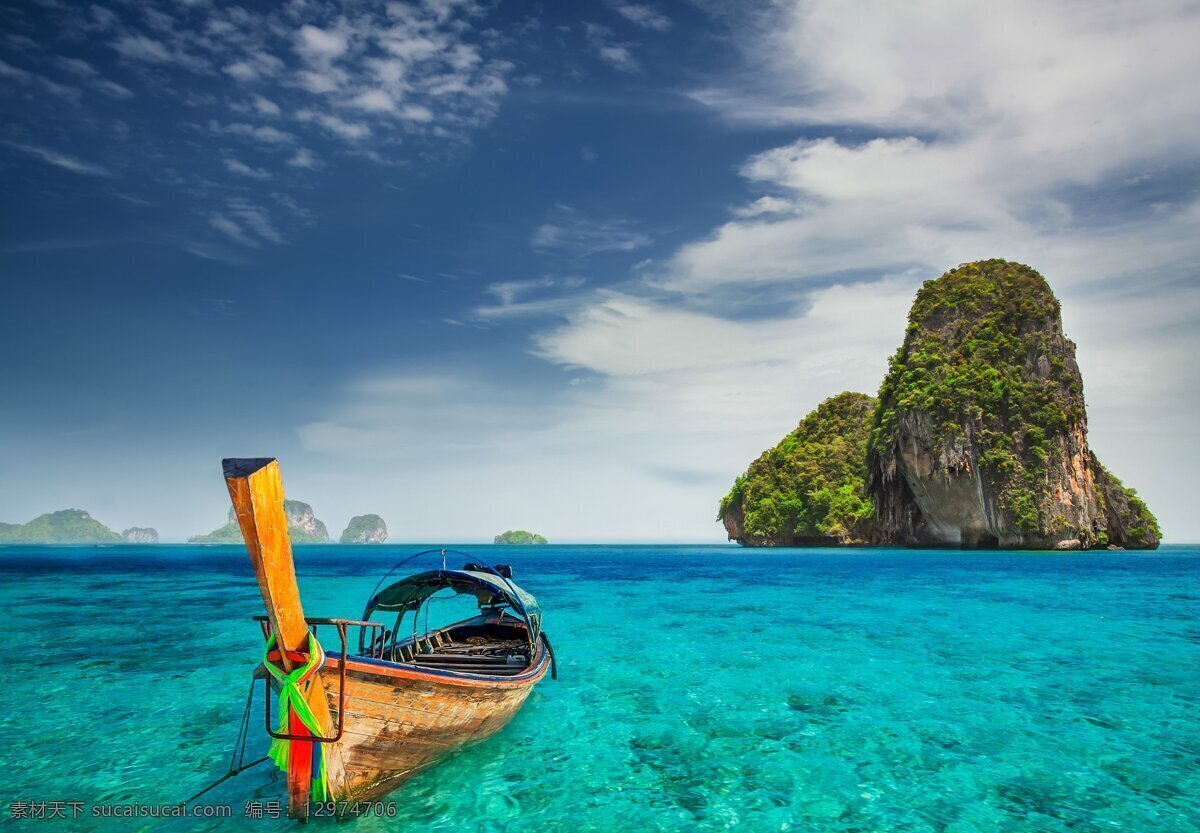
point(394, 730)
point(256, 490)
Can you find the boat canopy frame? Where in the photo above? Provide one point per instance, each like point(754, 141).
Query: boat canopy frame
point(490, 586)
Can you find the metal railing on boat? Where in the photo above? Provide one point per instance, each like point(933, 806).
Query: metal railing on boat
point(313, 622)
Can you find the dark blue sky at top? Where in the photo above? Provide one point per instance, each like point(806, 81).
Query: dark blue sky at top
point(106, 304)
point(131, 324)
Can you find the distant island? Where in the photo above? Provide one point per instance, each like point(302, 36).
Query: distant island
point(365, 529)
point(140, 535)
point(66, 526)
point(303, 527)
point(978, 439)
point(519, 536)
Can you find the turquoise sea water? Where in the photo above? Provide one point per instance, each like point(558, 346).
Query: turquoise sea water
point(701, 688)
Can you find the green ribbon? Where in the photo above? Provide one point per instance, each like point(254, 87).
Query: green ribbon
point(292, 687)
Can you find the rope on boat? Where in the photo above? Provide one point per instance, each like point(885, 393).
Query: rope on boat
point(237, 763)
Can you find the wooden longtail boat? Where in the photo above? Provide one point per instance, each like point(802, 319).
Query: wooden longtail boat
point(355, 726)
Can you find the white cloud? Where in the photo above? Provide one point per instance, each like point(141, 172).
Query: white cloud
point(515, 301)
point(265, 106)
point(76, 66)
point(245, 223)
point(23, 76)
point(256, 218)
point(231, 230)
point(62, 160)
point(336, 125)
point(7, 70)
point(617, 55)
point(374, 101)
point(304, 158)
point(426, 71)
point(140, 48)
point(321, 45)
point(1026, 136)
point(255, 67)
point(112, 89)
point(765, 205)
point(643, 15)
point(242, 169)
point(567, 233)
point(662, 407)
point(268, 134)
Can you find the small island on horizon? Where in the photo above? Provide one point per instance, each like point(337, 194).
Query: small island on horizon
point(519, 536)
point(978, 439)
point(364, 529)
point(72, 526)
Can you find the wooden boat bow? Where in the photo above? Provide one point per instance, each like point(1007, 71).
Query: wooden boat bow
point(397, 706)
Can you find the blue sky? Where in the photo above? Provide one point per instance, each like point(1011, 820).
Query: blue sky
point(567, 267)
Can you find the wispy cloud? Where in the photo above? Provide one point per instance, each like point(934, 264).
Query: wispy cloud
point(256, 218)
point(336, 125)
point(304, 158)
point(644, 15)
point(231, 229)
point(149, 50)
point(245, 223)
point(416, 70)
point(617, 55)
point(62, 160)
point(265, 133)
point(386, 81)
point(567, 233)
point(242, 169)
point(531, 298)
point(26, 77)
point(91, 76)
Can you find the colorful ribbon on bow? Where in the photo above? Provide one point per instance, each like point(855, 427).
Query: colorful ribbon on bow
point(303, 761)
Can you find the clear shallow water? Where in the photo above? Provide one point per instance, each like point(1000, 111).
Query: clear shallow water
point(701, 688)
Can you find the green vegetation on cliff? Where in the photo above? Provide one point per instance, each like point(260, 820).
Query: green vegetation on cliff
point(519, 536)
point(365, 529)
point(812, 485)
point(966, 360)
point(230, 533)
point(1123, 507)
point(66, 526)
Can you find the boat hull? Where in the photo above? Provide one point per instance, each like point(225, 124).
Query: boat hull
point(399, 719)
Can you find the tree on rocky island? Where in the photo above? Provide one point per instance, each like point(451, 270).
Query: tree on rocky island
point(519, 536)
point(365, 529)
point(978, 438)
point(810, 489)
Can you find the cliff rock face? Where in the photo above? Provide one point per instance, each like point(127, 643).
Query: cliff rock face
point(980, 435)
point(140, 535)
point(303, 527)
point(810, 489)
point(365, 529)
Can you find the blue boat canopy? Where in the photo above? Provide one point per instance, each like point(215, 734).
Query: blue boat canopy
point(488, 588)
